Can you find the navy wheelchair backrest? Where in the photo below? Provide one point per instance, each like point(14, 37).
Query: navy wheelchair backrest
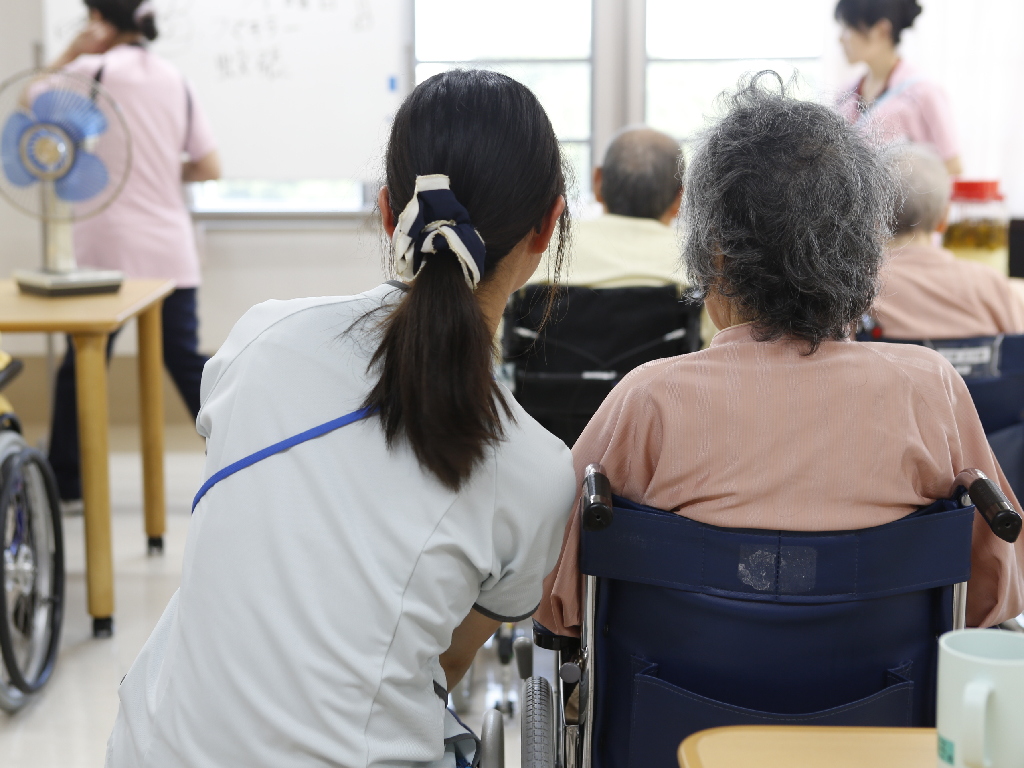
point(698, 626)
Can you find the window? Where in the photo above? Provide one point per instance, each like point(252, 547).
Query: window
point(551, 57)
point(697, 50)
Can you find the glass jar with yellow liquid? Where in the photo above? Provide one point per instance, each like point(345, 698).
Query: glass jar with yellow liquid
point(979, 224)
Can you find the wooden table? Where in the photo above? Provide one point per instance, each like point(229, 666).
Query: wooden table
point(90, 320)
point(786, 746)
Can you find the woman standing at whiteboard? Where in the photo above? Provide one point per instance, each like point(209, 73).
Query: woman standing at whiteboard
point(147, 231)
point(893, 97)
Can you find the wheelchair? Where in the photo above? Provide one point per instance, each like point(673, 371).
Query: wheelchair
point(562, 364)
point(993, 369)
point(689, 626)
point(32, 545)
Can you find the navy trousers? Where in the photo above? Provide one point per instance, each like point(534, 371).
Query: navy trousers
point(183, 361)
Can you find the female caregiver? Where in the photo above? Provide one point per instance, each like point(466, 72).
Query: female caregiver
point(332, 592)
point(147, 231)
point(893, 98)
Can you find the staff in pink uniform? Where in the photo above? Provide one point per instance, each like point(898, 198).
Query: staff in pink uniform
point(147, 231)
point(893, 99)
point(784, 423)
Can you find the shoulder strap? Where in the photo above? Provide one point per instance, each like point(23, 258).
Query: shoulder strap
point(284, 445)
point(97, 79)
point(888, 94)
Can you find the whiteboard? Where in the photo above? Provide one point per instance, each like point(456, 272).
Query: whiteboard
point(294, 89)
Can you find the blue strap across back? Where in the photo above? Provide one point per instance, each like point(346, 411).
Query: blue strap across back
point(284, 445)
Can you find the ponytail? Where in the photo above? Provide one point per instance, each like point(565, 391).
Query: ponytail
point(474, 166)
point(435, 383)
point(147, 26)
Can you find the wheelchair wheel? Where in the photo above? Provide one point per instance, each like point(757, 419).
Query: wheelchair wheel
point(538, 722)
point(32, 548)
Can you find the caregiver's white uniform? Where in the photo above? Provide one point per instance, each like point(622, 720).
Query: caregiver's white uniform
point(320, 585)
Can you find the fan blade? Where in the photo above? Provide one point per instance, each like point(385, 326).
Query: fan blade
point(77, 115)
point(10, 150)
point(86, 179)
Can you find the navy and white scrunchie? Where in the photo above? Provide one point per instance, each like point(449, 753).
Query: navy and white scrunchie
point(434, 220)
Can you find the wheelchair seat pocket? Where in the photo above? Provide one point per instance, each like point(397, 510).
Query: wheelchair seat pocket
point(664, 714)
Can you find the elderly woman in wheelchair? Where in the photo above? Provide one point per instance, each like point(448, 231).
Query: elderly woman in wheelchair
point(796, 512)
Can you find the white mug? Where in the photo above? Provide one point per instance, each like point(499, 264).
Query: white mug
point(980, 715)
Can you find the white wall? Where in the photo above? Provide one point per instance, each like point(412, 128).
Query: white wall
point(20, 235)
point(244, 266)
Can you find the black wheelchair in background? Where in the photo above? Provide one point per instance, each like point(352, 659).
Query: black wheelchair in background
point(32, 548)
point(688, 626)
point(993, 369)
point(563, 363)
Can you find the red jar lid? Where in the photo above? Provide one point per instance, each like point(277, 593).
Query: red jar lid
point(976, 191)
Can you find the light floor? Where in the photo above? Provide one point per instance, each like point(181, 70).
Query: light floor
point(68, 724)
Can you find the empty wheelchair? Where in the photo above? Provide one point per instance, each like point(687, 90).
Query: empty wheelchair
point(563, 369)
point(689, 626)
point(993, 369)
point(31, 543)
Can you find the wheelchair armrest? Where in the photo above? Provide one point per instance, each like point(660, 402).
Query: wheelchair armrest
point(991, 502)
point(549, 641)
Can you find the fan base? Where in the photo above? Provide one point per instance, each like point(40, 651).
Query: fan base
point(80, 282)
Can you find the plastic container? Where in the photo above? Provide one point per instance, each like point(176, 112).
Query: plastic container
point(979, 224)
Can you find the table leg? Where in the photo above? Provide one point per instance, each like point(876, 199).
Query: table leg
point(91, 387)
point(151, 403)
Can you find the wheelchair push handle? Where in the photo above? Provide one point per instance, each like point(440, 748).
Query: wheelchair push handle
point(596, 502)
point(991, 503)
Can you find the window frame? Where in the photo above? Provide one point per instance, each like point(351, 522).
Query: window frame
point(584, 184)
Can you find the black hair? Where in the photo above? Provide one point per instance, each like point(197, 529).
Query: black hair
point(121, 14)
point(640, 176)
point(864, 14)
point(787, 212)
point(491, 137)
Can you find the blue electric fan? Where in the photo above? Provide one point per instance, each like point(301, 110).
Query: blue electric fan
point(65, 154)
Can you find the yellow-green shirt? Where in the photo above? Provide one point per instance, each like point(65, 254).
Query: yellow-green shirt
point(620, 252)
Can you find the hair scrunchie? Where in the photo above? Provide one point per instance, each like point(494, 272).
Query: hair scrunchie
point(433, 221)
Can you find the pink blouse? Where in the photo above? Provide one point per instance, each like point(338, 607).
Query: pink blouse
point(757, 435)
point(928, 293)
point(147, 231)
point(912, 108)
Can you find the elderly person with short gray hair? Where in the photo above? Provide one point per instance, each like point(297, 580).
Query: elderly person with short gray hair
point(928, 293)
point(632, 244)
point(784, 423)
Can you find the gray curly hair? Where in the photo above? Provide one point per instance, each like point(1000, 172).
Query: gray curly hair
point(787, 210)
